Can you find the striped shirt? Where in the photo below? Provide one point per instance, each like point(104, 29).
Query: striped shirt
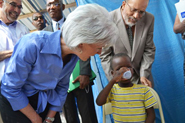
point(129, 104)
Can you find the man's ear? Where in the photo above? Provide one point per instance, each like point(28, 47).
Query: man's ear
point(132, 71)
point(123, 5)
point(63, 6)
point(80, 48)
point(112, 72)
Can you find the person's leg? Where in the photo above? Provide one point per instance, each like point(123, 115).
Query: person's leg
point(0, 118)
point(86, 106)
point(10, 116)
point(57, 118)
point(70, 111)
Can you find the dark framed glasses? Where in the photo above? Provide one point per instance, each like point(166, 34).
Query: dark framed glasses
point(141, 13)
point(54, 4)
point(37, 17)
point(14, 5)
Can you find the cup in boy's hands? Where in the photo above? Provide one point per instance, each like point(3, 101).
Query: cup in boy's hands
point(127, 74)
point(123, 73)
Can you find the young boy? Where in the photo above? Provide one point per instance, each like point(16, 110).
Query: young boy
point(130, 102)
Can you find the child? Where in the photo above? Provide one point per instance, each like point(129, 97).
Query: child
point(130, 102)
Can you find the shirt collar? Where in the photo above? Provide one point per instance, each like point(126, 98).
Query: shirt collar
point(12, 24)
point(53, 45)
point(61, 21)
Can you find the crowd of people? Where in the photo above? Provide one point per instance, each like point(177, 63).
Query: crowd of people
point(35, 67)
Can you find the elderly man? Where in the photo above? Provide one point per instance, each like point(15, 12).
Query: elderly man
point(84, 98)
point(135, 39)
point(54, 9)
point(38, 21)
point(10, 30)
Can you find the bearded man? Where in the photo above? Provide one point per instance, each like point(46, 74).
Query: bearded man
point(135, 39)
point(10, 30)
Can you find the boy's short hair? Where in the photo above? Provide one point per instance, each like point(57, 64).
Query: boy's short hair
point(116, 56)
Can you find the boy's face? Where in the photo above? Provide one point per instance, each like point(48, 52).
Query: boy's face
point(120, 62)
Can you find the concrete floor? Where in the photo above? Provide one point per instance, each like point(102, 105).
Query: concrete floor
point(62, 118)
point(1, 119)
point(61, 115)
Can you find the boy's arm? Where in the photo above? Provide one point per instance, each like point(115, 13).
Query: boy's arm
point(150, 115)
point(102, 97)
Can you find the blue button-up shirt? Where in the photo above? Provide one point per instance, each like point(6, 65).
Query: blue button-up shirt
point(36, 66)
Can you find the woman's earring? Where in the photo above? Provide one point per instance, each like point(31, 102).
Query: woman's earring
point(80, 48)
point(80, 51)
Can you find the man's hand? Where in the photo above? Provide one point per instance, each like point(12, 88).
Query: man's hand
point(146, 82)
point(5, 54)
point(83, 79)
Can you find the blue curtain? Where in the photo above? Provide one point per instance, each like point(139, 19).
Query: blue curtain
point(167, 68)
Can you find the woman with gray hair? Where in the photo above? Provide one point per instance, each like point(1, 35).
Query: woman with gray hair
point(34, 86)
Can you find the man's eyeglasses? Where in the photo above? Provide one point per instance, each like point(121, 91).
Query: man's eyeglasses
point(141, 13)
point(54, 4)
point(37, 17)
point(14, 5)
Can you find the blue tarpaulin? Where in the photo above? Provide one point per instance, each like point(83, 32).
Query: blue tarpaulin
point(167, 68)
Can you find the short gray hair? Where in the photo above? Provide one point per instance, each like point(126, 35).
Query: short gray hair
point(90, 24)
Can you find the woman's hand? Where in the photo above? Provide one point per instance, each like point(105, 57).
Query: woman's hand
point(37, 119)
point(30, 113)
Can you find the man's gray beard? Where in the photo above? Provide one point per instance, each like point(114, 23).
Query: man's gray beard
point(126, 18)
point(6, 15)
